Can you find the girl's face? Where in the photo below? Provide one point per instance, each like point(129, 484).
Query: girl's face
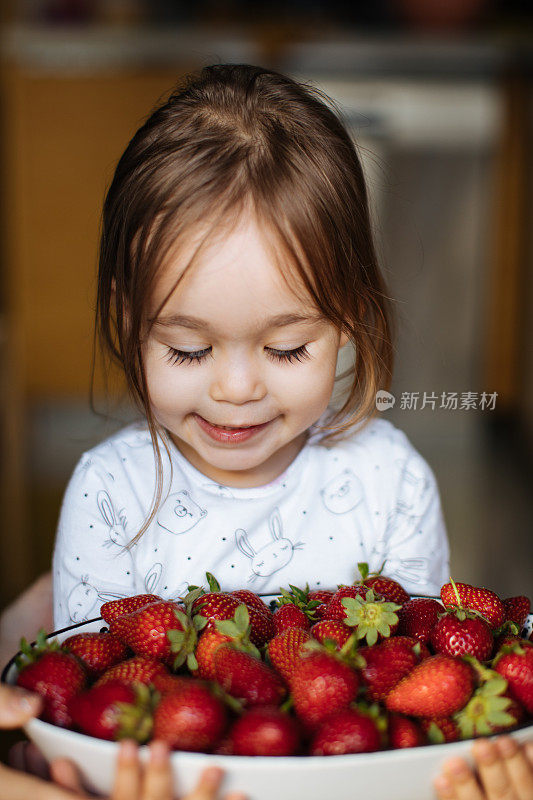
point(238, 366)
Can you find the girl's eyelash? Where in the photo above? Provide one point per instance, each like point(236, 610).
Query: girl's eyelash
point(183, 357)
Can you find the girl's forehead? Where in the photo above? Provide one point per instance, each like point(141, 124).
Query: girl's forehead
point(236, 269)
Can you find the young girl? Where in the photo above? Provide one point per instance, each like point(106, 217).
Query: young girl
point(236, 262)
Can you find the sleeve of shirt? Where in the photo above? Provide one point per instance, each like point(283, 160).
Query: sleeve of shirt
point(90, 562)
point(415, 545)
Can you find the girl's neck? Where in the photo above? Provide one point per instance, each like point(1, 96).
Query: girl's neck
point(261, 475)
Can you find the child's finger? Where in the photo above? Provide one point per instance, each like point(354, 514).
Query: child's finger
point(66, 774)
point(461, 777)
point(127, 784)
point(528, 750)
point(444, 788)
point(519, 769)
point(492, 771)
point(157, 782)
point(208, 785)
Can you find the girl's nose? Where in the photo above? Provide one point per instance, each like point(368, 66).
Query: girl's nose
point(237, 381)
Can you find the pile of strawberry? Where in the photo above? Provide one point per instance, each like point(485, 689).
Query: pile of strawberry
point(359, 669)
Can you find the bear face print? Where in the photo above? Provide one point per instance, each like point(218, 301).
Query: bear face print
point(271, 557)
point(342, 493)
point(179, 513)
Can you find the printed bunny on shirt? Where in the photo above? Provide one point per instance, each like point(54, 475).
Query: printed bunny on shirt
point(272, 556)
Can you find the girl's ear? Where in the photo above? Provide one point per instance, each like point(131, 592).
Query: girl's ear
point(344, 339)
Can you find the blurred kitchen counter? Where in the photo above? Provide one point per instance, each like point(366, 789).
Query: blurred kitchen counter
point(77, 50)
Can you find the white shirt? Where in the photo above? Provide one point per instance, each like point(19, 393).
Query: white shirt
point(370, 498)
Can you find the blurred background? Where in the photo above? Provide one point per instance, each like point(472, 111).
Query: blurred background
point(439, 97)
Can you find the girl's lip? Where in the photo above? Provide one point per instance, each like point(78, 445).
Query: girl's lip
point(232, 436)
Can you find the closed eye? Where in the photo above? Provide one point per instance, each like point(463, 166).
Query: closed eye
point(175, 356)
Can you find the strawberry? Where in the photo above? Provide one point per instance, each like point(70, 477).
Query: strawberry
point(417, 617)
point(387, 588)
point(331, 630)
point(372, 618)
point(459, 633)
point(322, 684)
point(506, 640)
point(290, 616)
point(125, 605)
point(286, 650)
point(323, 597)
point(487, 710)
point(55, 675)
point(97, 651)
point(404, 732)
point(487, 603)
point(192, 719)
point(250, 600)
point(134, 670)
point(335, 608)
point(265, 731)
point(247, 678)
point(387, 663)
point(237, 631)
point(516, 666)
point(146, 631)
point(346, 731)
point(440, 730)
point(165, 683)
point(214, 605)
point(517, 609)
point(113, 711)
point(437, 687)
point(262, 626)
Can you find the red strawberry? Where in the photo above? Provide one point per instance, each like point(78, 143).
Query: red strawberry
point(262, 626)
point(97, 651)
point(517, 609)
point(336, 609)
point(134, 670)
point(215, 606)
point(437, 687)
point(146, 631)
point(487, 710)
point(290, 616)
point(417, 617)
point(250, 600)
point(165, 683)
point(112, 711)
point(322, 684)
point(387, 588)
point(476, 599)
point(323, 597)
point(56, 676)
point(517, 668)
point(346, 731)
point(285, 650)
point(404, 732)
point(332, 630)
point(192, 719)
point(247, 678)
point(236, 630)
point(459, 633)
point(125, 605)
point(265, 731)
point(441, 730)
point(506, 640)
point(387, 663)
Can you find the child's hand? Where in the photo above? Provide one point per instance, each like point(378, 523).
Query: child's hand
point(504, 772)
point(136, 782)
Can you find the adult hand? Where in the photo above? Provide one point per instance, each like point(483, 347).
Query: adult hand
point(504, 772)
point(31, 611)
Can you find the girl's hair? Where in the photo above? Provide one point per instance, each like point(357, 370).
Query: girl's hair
point(230, 138)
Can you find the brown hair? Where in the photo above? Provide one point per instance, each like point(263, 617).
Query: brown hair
point(229, 137)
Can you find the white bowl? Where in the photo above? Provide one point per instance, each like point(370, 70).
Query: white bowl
point(401, 774)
